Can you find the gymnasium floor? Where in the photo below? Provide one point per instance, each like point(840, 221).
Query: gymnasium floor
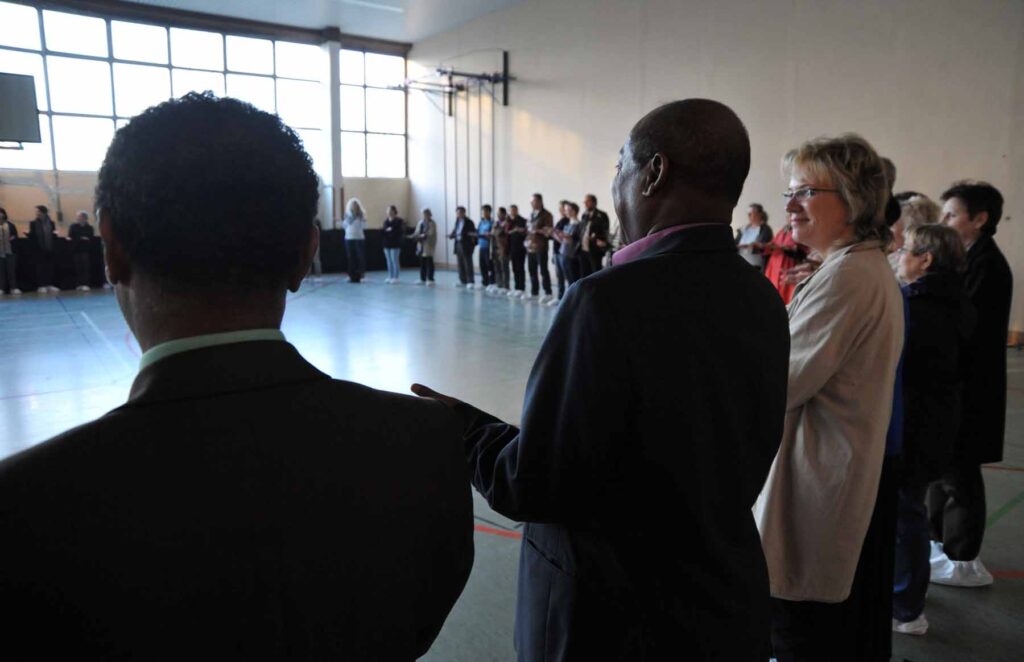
point(69, 358)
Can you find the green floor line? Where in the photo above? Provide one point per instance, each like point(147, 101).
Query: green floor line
point(1007, 507)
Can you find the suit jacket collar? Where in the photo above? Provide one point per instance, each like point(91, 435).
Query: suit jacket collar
point(247, 366)
point(701, 239)
point(982, 245)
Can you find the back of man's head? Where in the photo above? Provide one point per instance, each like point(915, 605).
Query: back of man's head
point(205, 193)
point(707, 146)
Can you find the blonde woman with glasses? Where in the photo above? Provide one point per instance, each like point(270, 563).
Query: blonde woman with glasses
point(824, 542)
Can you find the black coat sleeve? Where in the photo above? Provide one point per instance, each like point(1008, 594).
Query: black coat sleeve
point(573, 424)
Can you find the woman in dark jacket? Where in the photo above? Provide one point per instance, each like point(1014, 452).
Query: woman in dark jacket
point(940, 320)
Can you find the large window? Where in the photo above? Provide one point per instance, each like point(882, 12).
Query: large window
point(94, 73)
point(372, 114)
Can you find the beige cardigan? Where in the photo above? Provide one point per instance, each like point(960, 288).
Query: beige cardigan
point(846, 330)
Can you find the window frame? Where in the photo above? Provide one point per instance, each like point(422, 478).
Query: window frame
point(161, 19)
point(365, 131)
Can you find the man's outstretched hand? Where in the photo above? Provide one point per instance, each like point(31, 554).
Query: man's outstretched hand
point(426, 392)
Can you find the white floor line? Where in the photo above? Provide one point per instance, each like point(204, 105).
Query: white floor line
point(124, 364)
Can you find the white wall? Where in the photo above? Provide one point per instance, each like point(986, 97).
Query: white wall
point(936, 85)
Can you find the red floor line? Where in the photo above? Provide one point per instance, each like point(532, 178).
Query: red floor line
point(1008, 574)
point(497, 532)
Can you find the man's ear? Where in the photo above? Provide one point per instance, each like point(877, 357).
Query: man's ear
point(980, 219)
point(306, 254)
point(115, 260)
point(655, 174)
point(928, 259)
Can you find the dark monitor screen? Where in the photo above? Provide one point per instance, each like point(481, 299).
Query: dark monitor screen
point(19, 119)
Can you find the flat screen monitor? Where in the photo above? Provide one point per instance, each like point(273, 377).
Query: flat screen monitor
point(19, 119)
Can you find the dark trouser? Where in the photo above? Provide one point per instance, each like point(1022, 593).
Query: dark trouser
point(501, 265)
point(464, 259)
point(956, 512)
point(44, 270)
point(486, 267)
point(81, 269)
point(427, 268)
point(519, 269)
point(8, 280)
point(560, 272)
point(356, 249)
point(569, 268)
point(910, 581)
point(859, 629)
point(595, 260)
point(539, 260)
point(584, 265)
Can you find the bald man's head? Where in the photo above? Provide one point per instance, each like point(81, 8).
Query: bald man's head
point(684, 162)
point(705, 142)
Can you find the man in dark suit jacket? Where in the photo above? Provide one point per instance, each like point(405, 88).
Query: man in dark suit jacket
point(42, 235)
point(594, 228)
point(242, 504)
point(650, 422)
point(956, 503)
point(464, 234)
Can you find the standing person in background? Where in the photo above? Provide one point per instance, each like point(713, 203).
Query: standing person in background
point(80, 233)
point(484, 236)
point(517, 250)
point(783, 253)
point(464, 235)
point(556, 244)
point(570, 246)
point(537, 236)
point(426, 240)
point(915, 209)
point(752, 239)
point(939, 321)
point(42, 233)
point(499, 250)
point(595, 239)
point(354, 225)
point(956, 502)
point(394, 234)
point(8, 264)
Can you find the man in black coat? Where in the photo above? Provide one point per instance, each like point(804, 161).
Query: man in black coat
point(956, 503)
point(242, 505)
point(650, 422)
point(593, 237)
point(465, 238)
point(42, 235)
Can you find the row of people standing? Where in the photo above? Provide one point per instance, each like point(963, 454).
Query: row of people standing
point(43, 237)
point(510, 246)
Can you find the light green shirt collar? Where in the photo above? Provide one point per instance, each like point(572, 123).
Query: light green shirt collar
point(172, 347)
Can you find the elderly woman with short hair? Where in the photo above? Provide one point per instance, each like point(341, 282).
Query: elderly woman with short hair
point(826, 561)
point(915, 209)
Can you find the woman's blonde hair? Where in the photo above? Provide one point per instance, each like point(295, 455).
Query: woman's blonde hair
point(852, 166)
point(918, 210)
point(357, 203)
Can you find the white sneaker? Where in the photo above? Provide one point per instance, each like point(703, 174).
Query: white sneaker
point(15, 291)
point(55, 290)
point(387, 281)
point(511, 294)
point(918, 626)
point(520, 294)
point(83, 288)
point(430, 283)
point(965, 574)
point(936, 555)
point(421, 282)
point(459, 285)
point(553, 301)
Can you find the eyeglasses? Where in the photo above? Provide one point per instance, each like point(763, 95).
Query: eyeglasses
point(807, 193)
